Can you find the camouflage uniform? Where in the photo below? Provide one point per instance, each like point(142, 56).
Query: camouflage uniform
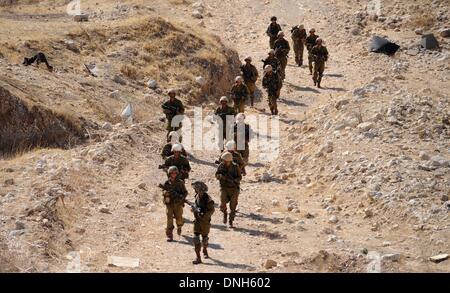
point(174, 196)
point(282, 49)
point(240, 137)
point(272, 83)
point(274, 62)
point(320, 56)
point(239, 92)
point(310, 43)
point(272, 31)
point(223, 113)
point(181, 163)
point(167, 151)
point(237, 159)
point(229, 178)
point(299, 39)
point(250, 75)
point(171, 109)
point(202, 222)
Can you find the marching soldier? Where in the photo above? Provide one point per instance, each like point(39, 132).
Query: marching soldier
point(242, 132)
point(320, 56)
point(282, 49)
point(239, 93)
point(310, 43)
point(299, 40)
point(250, 75)
point(223, 112)
point(272, 31)
point(203, 209)
point(172, 108)
point(174, 193)
point(179, 161)
point(272, 83)
point(230, 147)
point(172, 138)
point(229, 175)
point(272, 61)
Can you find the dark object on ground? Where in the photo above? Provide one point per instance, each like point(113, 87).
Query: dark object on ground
point(38, 58)
point(382, 45)
point(429, 42)
point(81, 17)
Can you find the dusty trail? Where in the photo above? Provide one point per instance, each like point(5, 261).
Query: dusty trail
point(259, 235)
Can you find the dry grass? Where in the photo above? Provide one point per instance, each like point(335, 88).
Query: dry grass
point(131, 72)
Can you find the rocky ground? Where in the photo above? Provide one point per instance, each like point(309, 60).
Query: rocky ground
point(361, 183)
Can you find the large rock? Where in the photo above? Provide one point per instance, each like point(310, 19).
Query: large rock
point(152, 84)
point(269, 264)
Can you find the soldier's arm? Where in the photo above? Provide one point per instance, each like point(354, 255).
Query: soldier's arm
point(187, 166)
point(209, 209)
point(239, 174)
point(181, 108)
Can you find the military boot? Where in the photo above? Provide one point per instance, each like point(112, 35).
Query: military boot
point(318, 82)
point(169, 234)
point(179, 230)
point(232, 214)
point(197, 248)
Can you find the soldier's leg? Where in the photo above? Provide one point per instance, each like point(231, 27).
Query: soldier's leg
point(310, 63)
point(251, 88)
point(223, 203)
point(205, 240)
point(233, 205)
point(283, 67)
point(169, 227)
point(300, 53)
point(242, 106)
point(275, 106)
point(197, 248)
point(316, 73)
point(320, 69)
point(271, 42)
point(178, 212)
point(270, 104)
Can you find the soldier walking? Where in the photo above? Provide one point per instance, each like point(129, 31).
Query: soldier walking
point(226, 115)
point(299, 40)
point(203, 209)
point(272, 31)
point(282, 49)
point(310, 43)
point(229, 175)
point(272, 83)
point(242, 134)
point(174, 194)
point(172, 108)
point(179, 161)
point(272, 61)
point(250, 75)
point(172, 139)
point(320, 56)
point(239, 94)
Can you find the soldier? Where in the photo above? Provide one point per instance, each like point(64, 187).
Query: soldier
point(230, 147)
point(282, 49)
point(242, 134)
point(172, 108)
point(223, 112)
point(272, 83)
point(310, 43)
point(250, 75)
point(320, 56)
point(203, 208)
point(174, 193)
point(272, 31)
point(229, 175)
point(272, 61)
point(179, 161)
point(172, 138)
point(239, 93)
point(299, 40)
